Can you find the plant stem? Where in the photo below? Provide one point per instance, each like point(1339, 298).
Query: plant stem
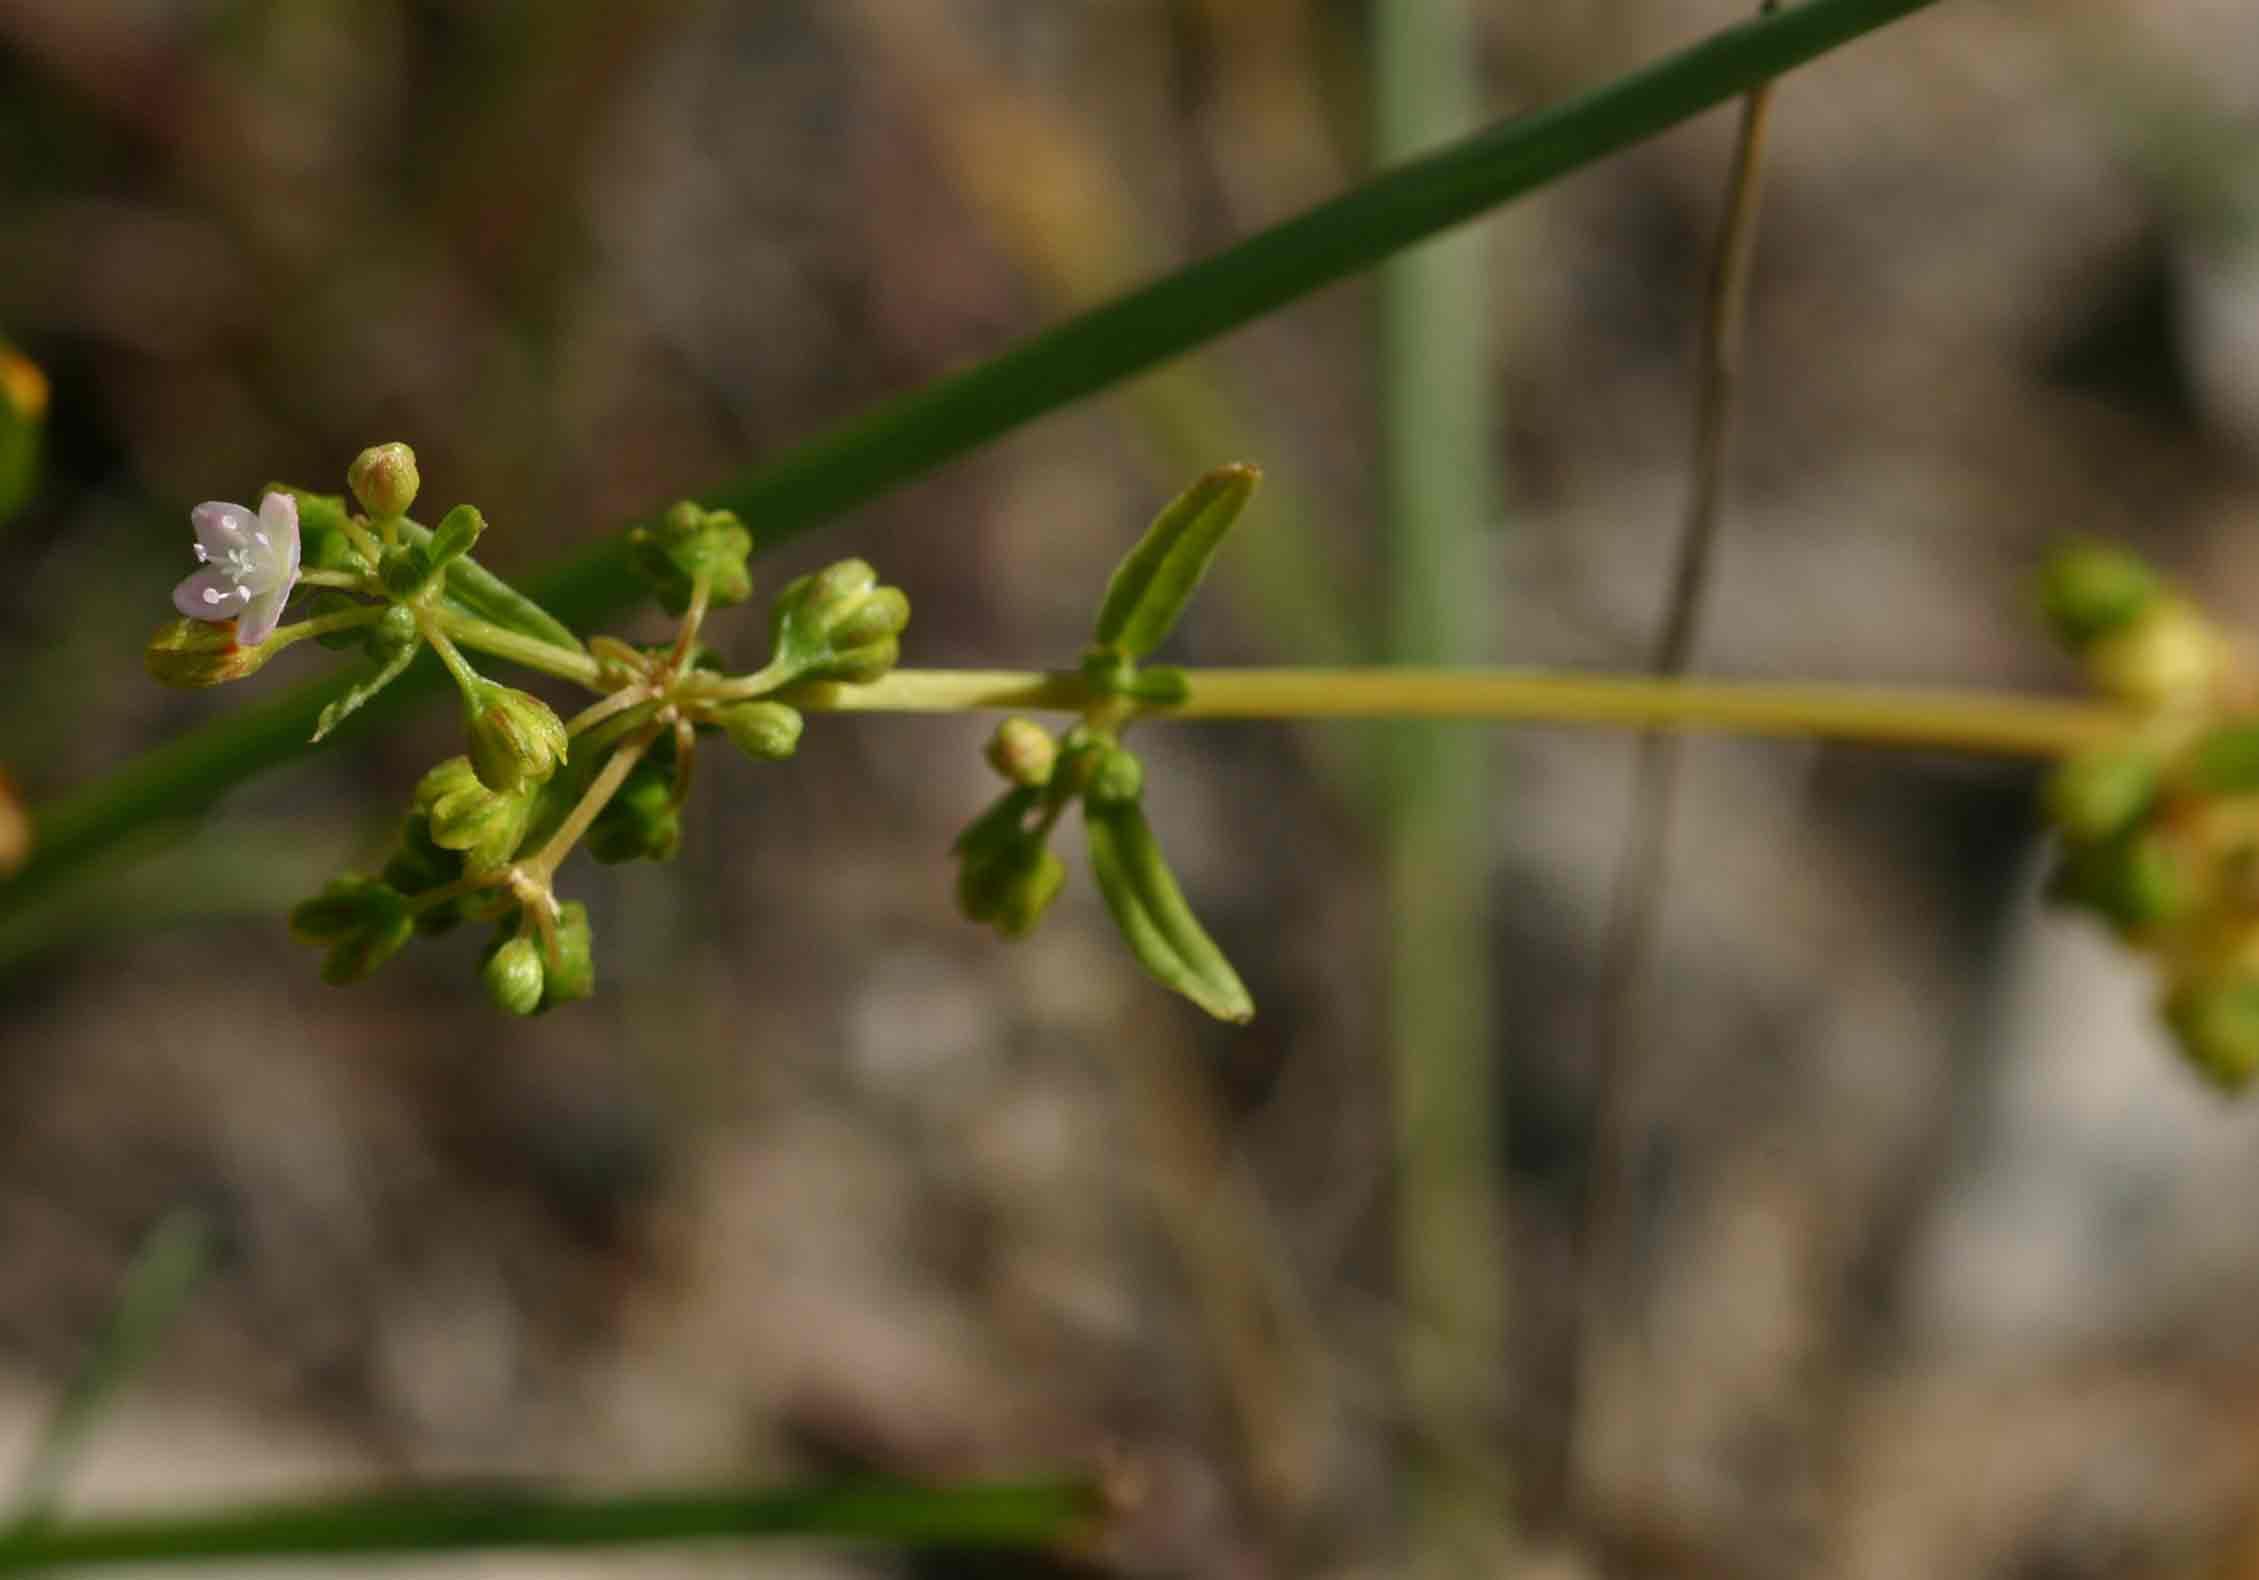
point(483, 1519)
point(1437, 405)
point(322, 624)
point(1986, 723)
point(519, 648)
point(600, 791)
point(1636, 904)
point(919, 430)
point(597, 712)
point(347, 580)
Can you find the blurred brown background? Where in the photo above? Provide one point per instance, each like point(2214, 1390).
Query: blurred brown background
point(1940, 1264)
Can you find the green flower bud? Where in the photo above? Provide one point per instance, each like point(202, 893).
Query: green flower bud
point(884, 613)
point(393, 634)
point(1032, 888)
point(512, 970)
point(767, 731)
point(1010, 889)
point(2138, 881)
point(404, 570)
point(383, 478)
point(461, 814)
point(422, 864)
point(641, 822)
point(2089, 589)
point(1116, 778)
point(363, 922)
point(192, 653)
point(1023, 752)
point(2167, 654)
point(687, 542)
point(2094, 795)
point(516, 741)
point(452, 538)
point(859, 666)
point(2216, 1020)
point(571, 972)
point(839, 624)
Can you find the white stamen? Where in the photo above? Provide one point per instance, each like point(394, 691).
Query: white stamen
point(262, 537)
point(214, 595)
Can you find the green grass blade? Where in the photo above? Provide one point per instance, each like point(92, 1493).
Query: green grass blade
point(915, 432)
point(486, 1519)
point(165, 1271)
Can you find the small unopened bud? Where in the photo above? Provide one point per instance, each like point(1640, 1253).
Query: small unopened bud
point(1030, 893)
point(404, 570)
point(2167, 654)
point(2094, 795)
point(1009, 886)
point(839, 624)
point(569, 973)
point(461, 814)
point(515, 739)
point(2216, 1020)
point(640, 822)
point(2138, 882)
point(1116, 779)
point(395, 632)
point(690, 542)
point(383, 478)
point(1023, 752)
point(363, 922)
point(201, 653)
point(512, 971)
point(2087, 590)
point(769, 731)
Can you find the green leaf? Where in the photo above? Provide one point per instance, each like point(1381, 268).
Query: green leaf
point(1150, 909)
point(1157, 579)
point(362, 690)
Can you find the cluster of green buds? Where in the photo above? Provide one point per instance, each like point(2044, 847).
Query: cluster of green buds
point(1007, 874)
point(486, 831)
point(2160, 830)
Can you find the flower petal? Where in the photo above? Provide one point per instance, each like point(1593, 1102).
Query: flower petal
point(209, 594)
point(262, 615)
point(220, 527)
point(278, 515)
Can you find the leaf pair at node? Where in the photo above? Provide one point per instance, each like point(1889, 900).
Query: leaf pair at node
point(1007, 873)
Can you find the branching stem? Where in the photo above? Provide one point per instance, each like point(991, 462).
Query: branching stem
point(517, 647)
point(1967, 721)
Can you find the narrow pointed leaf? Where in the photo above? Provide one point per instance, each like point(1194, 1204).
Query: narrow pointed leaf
point(1158, 578)
point(362, 690)
point(1150, 909)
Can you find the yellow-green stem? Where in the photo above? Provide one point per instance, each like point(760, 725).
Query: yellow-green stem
point(600, 791)
point(350, 581)
point(1990, 723)
point(322, 624)
point(517, 647)
point(597, 712)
